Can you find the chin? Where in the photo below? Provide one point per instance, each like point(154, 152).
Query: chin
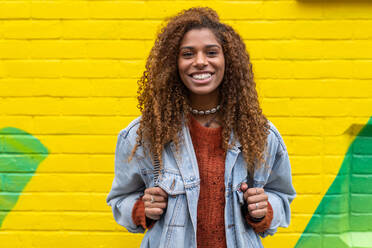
point(202, 92)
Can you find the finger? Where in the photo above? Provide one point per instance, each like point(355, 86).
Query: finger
point(258, 213)
point(243, 187)
point(156, 191)
point(251, 192)
point(161, 205)
point(153, 217)
point(159, 191)
point(254, 191)
point(151, 191)
point(258, 205)
point(256, 198)
point(149, 197)
point(154, 212)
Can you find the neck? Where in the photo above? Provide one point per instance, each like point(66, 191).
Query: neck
point(212, 120)
point(201, 102)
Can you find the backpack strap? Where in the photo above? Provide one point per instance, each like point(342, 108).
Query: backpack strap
point(156, 170)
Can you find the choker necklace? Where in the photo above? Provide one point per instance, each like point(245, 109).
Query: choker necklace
point(205, 112)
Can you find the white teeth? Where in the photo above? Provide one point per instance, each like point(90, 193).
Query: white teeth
point(202, 76)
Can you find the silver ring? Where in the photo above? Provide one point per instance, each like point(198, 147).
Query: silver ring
point(152, 199)
point(256, 205)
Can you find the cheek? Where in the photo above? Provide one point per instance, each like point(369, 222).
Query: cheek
point(181, 68)
point(182, 63)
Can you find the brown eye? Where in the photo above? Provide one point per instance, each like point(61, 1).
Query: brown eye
point(212, 53)
point(187, 54)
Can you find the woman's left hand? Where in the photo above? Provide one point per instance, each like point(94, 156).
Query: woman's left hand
point(256, 199)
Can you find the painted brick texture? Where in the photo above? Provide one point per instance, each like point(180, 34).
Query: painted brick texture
point(68, 73)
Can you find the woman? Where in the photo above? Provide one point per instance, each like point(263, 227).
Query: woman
point(202, 166)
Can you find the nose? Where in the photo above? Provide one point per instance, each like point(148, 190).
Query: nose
point(200, 60)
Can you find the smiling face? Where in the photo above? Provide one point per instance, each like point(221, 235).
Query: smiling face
point(201, 64)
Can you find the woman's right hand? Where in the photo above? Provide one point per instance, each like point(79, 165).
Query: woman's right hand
point(155, 200)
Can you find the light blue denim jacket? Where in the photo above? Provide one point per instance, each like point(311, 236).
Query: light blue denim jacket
point(180, 179)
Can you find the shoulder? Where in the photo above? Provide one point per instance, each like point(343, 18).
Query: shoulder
point(130, 132)
point(275, 137)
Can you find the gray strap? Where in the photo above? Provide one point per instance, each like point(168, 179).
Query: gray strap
point(156, 170)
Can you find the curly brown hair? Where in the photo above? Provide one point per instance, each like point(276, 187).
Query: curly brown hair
point(163, 98)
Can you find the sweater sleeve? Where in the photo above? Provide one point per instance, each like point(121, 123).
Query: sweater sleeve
point(261, 225)
point(139, 216)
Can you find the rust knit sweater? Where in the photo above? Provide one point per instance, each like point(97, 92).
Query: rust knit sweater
point(210, 155)
point(207, 144)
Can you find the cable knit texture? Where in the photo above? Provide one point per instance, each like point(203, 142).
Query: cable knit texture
point(211, 205)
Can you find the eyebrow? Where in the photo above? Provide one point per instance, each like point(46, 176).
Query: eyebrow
point(207, 46)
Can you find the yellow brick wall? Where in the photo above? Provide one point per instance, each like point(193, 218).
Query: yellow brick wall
point(68, 73)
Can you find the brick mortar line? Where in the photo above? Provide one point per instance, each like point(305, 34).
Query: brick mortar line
point(88, 173)
point(294, 39)
point(161, 19)
point(4, 232)
point(139, 60)
point(127, 39)
point(88, 97)
point(103, 212)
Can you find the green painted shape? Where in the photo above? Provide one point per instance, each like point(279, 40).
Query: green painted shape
point(20, 155)
point(343, 218)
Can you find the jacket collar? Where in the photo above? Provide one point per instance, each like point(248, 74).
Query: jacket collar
point(234, 141)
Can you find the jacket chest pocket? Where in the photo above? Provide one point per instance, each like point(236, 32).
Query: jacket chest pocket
point(260, 176)
point(176, 213)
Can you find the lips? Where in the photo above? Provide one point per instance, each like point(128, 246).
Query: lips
point(201, 78)
point(200, 72)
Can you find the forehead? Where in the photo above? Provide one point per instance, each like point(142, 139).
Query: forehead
point(199, 37)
